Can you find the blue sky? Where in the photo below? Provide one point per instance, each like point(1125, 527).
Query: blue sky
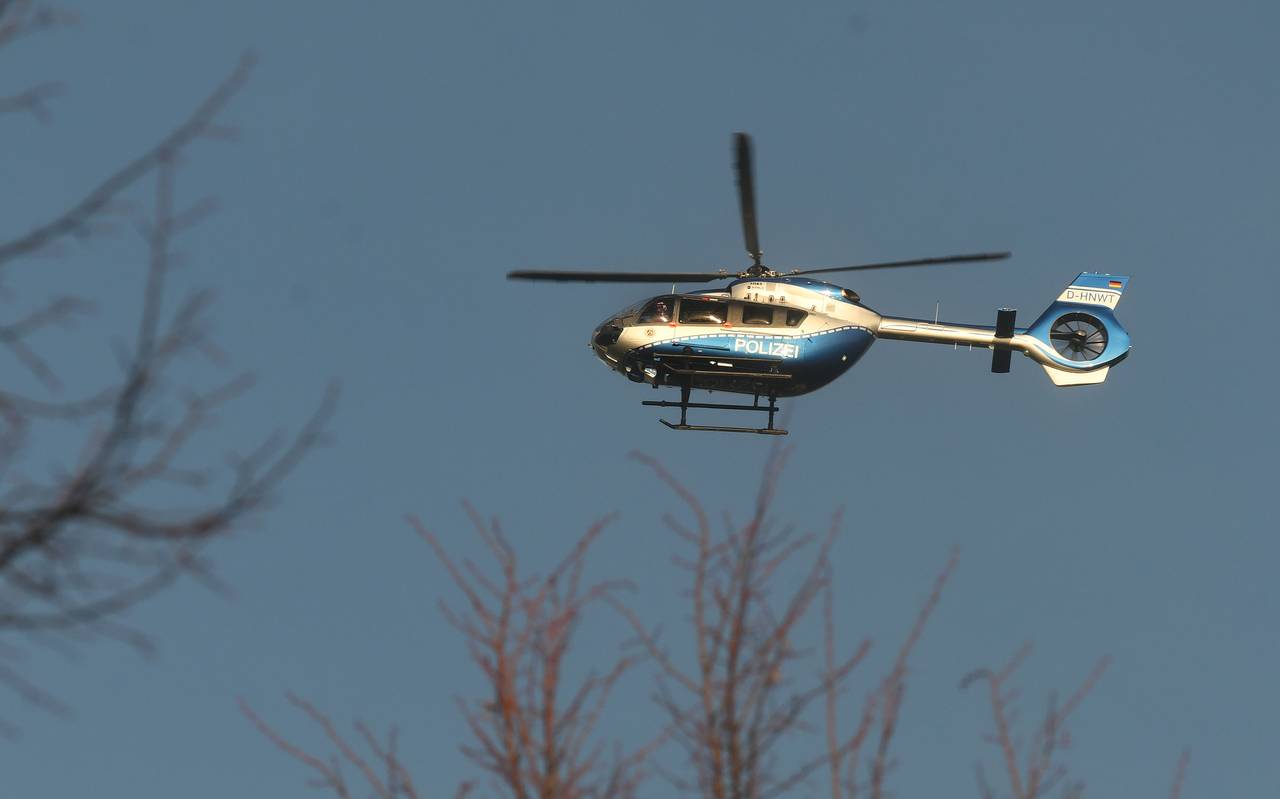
point(395, 163)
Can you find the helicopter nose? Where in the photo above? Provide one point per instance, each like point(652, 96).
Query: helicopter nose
point(606, 334)
point(603, 339)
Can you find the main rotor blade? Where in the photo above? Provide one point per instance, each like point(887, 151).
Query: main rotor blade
point(746, 194)
point(946, 259)
point(617, 277)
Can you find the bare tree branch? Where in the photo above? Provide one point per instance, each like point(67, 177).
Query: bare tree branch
point(731, 710)
point(538, 736)
point(533, 734)
point(1180, 774)
point(1041, 773)
point(20, 18)
point(75, 219)
point(107, 527)
point(33, 101)
point(739, 712)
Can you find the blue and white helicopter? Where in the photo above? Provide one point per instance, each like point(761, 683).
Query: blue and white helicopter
point(780, 334)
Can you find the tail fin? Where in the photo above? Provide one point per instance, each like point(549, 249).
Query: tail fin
point(1095, 288)
point(1078, 338)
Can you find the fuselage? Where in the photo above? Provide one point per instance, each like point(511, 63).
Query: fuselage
point(780, 336)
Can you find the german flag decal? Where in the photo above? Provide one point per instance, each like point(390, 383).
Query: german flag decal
point(1115, 284)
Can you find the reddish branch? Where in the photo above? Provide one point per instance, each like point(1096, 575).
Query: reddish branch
point(1180, 774)
point(381, 770)
point(1035, 772)
point(737, 710)
point(534, 732)
point(744, 694)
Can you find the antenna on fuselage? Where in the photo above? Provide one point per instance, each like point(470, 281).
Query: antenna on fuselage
point(937, 314)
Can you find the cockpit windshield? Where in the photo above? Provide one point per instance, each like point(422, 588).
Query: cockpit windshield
point(658, 310)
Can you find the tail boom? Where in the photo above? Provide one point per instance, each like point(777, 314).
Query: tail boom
point(903, 329)
point(1077, 339)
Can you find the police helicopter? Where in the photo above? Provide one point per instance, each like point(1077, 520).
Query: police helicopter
point(771, 334)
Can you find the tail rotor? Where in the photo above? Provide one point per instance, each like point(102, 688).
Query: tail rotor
point(1078, 338)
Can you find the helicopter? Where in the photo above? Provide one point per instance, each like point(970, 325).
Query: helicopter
point(771, 334)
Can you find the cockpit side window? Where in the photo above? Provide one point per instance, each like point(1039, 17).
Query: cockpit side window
point(795, 317)
point(658, 310)
point(703, 312)
point(757, 315)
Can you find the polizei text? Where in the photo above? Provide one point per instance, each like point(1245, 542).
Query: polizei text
point(759, 346)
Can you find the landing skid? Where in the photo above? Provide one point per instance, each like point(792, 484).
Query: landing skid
point(684, 405)
point(764, 431)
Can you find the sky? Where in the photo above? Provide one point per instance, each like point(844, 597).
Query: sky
point(393, 163)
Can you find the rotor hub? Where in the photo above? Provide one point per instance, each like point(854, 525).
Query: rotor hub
point(757, 271)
